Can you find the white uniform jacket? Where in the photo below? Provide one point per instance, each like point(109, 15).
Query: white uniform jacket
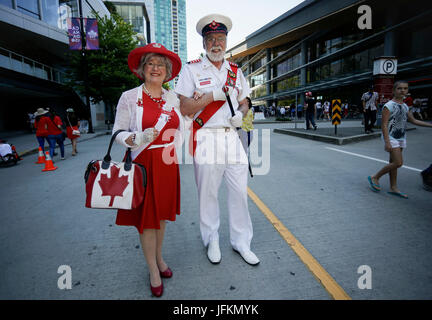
point(203, 75)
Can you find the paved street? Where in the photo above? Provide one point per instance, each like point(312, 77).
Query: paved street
point(318, 193)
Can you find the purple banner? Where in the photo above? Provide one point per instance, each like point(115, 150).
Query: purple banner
point(74, 33)
point(92, 36)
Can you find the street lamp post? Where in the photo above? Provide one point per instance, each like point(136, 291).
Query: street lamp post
point(84, 64)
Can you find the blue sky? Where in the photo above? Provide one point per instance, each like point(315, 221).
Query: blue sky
point(247, 16)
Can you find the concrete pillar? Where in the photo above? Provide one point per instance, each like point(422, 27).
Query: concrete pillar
point(303, 60)
point(390, 36)
point(268, 75)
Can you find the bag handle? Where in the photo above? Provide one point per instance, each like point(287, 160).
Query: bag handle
point(107, 159)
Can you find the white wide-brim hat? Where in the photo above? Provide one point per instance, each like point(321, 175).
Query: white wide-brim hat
point(213, 23)
point(40, 111)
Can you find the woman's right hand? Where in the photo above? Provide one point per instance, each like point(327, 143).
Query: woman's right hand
point(146, 136)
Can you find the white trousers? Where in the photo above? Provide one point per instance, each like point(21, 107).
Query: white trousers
point(208, 178)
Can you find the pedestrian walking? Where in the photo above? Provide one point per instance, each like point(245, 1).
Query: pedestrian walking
point(310, 111)
point(282, 111)
point(299, 110)
point(319, 109)
point(416, 109)
point(394, 118)
point(327, 110)
point(55, 134)
point(293, 110)
point(41, 126)
point(369, 100)
point(201, 88)
point(149, 114)
point(345, 109)
point(72, 130)
point(246, 132)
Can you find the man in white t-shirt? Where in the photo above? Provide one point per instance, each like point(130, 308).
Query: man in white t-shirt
point(369, 100)
point(200, 89)
point(282, 112)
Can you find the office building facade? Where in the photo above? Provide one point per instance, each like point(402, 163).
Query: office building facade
point(33, 60)
point(328, 48)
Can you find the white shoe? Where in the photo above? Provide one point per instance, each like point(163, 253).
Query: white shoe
point(213, 252)
point(248, 256)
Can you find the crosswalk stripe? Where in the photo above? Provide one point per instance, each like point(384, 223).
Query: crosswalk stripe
point(323, 277)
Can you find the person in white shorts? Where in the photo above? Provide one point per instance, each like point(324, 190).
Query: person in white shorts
point(395, 115)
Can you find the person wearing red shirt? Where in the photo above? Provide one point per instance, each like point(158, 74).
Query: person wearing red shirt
point(41, 127)
point(55, 134)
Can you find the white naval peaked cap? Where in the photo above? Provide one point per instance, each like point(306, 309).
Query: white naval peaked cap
point(213, 23)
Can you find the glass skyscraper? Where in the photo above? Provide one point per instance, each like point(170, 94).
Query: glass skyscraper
point(162, 21)
point(170, 25)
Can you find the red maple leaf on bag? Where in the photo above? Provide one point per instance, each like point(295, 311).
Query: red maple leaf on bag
point(113, 186)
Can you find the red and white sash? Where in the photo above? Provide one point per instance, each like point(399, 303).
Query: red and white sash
point(210, 109)
point(170, 102)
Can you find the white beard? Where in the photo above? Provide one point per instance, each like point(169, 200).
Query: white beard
point(215, 57)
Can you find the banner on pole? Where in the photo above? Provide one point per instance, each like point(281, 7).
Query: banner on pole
point(74, 33)
point(91, 33)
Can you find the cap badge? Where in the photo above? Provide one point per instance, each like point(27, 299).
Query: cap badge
point(214, 25)
point(157, 45)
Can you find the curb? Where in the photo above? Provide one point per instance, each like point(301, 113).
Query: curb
point(331, 139)
point(36, 150)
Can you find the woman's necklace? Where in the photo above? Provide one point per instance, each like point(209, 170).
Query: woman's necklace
point(157, 100)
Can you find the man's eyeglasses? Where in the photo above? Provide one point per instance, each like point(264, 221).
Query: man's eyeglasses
point(214, 39)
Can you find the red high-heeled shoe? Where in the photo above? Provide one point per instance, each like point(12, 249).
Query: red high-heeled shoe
point(157, 291)
point(167, 273)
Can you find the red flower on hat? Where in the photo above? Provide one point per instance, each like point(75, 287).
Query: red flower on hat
point(214, 25)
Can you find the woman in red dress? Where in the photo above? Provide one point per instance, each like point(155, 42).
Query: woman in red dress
point(153, 123)
point(72, 124)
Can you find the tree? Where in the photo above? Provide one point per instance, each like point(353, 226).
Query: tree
point(108, 74)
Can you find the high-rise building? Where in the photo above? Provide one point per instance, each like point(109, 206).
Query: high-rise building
point(136, 12)
point(162, 21)
point(170, 25)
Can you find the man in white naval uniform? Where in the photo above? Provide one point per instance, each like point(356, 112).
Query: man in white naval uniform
point(218, 152)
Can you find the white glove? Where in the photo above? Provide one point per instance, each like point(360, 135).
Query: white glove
point(219, 94)
point(146, 136)
point(237, 119)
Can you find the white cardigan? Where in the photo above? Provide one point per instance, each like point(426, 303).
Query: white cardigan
point(129, 117)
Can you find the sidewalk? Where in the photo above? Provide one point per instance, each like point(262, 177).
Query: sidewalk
point(27, 144)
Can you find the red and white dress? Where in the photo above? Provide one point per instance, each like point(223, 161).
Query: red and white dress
point(162, 198)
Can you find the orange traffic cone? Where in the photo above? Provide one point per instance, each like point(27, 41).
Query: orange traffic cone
point(41, 158)
point(49, 166)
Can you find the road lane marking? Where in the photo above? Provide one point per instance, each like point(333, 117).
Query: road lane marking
point(370, 158)
point(323, 277)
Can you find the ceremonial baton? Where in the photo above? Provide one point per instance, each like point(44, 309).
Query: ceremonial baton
point(225, 90)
